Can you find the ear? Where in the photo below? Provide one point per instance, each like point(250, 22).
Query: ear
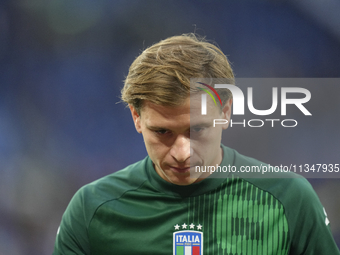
point(136, 119)
point(226, 112)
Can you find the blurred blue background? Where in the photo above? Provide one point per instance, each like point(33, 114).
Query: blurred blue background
point(62, 65)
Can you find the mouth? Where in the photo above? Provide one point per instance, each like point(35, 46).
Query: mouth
point(180, 169)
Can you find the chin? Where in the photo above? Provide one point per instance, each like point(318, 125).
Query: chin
point(185, 182)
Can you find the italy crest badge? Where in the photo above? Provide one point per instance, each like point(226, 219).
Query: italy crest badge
point(188, 241)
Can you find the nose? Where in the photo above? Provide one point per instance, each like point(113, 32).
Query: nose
point(180, 149)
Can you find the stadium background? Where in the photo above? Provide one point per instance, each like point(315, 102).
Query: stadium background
point(62, 63)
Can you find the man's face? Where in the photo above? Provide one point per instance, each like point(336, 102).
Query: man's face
point(179, 138)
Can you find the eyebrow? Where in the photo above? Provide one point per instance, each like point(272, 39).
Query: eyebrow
point(202, 124)
point(198, 125)
point(156, 127)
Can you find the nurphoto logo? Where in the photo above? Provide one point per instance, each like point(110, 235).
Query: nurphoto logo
point(239, 104)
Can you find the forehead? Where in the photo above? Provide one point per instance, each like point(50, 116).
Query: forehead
point(151, 111)
point(188, 113)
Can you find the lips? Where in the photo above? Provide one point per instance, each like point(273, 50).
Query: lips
point(180, 169)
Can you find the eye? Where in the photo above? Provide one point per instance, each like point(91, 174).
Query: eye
point(161, 131)
point(196, 129)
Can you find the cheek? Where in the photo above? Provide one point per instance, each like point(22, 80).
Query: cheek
point(154, 147)
point(200, 146)
point(211, 136)
point(215, 133)
point(209, 142)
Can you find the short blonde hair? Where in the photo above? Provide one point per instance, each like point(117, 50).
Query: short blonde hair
point(161, 73)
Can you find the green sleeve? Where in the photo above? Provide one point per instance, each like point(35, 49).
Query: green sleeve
point(311, 234)
point(72, 236)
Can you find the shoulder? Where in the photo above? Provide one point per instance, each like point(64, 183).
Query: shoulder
point(90, 197)
point(73, 231)
point(307, 221)
point(308, 225)
point(292, 190)
point(112, 186)
point(288, 187)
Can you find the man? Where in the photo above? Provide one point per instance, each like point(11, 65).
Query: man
point(162, 205)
